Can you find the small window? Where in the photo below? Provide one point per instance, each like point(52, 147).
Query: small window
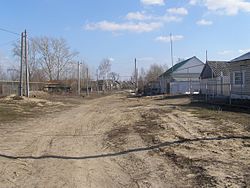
point(239, 78)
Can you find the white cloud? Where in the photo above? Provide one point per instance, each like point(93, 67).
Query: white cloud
point(145, 59)
point(225, 52)
point(193, 2)
point(128, 26)
point(140, 21)
point(153, 2)
point(111, 59)
point(228, 7)
point(178, 11)
point(167, 18)
point(224, 7)
point(243, 51)
point(229, 52)
point(168, 39)
point(142, 16)
point(137, 16)
point(204, 22)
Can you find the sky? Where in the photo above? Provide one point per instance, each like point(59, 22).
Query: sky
point(123, 30)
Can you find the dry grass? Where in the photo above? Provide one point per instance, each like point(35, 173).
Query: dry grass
point(219, 115)
point(15, 109)
point(40, 103)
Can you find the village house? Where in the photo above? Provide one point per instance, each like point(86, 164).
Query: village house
point(108, 85)
point(215, 78)
point(56, 87)
point(182, 78)
point(240, 77)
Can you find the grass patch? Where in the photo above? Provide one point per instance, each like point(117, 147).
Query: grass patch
point(220, 115)
point(10, 112)
point(16, 109)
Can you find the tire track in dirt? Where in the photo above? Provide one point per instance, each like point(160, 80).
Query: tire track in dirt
point(116, 124)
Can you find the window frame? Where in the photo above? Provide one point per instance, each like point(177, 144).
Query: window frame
point(243, 78)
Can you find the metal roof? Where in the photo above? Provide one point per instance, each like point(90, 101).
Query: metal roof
point(242, 58)
point(218, 67)
point(176, 66)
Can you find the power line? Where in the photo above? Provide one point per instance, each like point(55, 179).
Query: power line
point(12, 32)
point(8, 31)
point(9, 42)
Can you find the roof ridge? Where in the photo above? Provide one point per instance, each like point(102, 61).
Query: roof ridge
point(177, 65)
point(243, 57)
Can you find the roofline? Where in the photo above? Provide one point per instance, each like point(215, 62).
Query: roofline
point(235, 59)
point(219, 61)
point(226, 62)
point(183, 64)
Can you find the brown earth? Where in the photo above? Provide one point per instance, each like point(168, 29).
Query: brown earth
point(117, 141)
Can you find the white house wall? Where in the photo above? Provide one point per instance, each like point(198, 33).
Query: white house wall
point(183, 76)
point(242, 66)
point(163, 85)
point(192, 66)
point(184, 87)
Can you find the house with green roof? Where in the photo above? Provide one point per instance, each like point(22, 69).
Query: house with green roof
point(183, 77)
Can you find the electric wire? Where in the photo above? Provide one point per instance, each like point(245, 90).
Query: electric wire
point(9, 42)
point(8, 31)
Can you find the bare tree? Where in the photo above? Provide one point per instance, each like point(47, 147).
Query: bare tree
point(114, 76)
point(104, 68)
point(13, 73)
point(2, 74)
point(154, 72)
point(48, 57)
point(62, 55)
point(32, 55)
point(141, 79)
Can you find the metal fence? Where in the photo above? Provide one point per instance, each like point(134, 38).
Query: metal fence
point(184, 87)
point(11, 87)
point(218, 92)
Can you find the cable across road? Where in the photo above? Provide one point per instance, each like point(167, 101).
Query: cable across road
point(9, 31)
point(123, 152)
point(9, 42)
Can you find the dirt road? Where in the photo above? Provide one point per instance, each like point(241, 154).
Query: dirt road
point(117, 141)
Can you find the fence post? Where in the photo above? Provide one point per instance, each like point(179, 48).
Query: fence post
point(206, 92)
point(230, 93)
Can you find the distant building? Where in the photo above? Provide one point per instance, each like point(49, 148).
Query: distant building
point(215, 78)
point(228, 79)
point(56, 87)
point(240, 76)
point(182, 78)
point(108, 85)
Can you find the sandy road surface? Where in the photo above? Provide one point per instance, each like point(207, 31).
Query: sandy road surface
point(116, 141)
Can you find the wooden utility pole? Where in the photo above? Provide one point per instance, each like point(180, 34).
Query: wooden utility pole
point(20, 91)
point(26, 63)
point(97, 80)
point(87, 81)
point(172, 53)
point(79, 80)
point(136, 76)
point(206, 56)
